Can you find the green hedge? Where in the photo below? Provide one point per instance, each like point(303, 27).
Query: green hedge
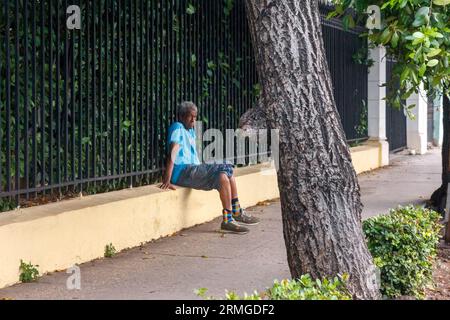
point(304, 288)
point(403, 244)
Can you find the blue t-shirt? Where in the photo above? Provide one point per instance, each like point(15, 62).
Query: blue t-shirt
point(187, 154)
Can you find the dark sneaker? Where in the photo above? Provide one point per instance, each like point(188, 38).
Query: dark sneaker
point(245, 218)
point(233, 227)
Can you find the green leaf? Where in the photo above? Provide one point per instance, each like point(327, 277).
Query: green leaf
point(193, 60)
point(436, 81)
point(422, 17)
point(190, 9)
point(433, 52)
point(418, 35)
point(385, 36)
point(432, 63)
point(331, 14)
point(441, 2)
point(404, 74)
point(422, 69)
point(394, 40)
point(348, 22)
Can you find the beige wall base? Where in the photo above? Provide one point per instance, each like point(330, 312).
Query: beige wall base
point(58, 235)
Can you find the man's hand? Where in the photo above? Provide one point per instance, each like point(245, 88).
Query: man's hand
point(167, 185)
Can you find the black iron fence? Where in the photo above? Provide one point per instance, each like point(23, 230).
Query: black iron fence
point(87, 110)
point(395, 117)
point(347, 59)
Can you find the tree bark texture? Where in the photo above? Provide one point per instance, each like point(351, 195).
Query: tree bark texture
point(439, 197)
point(320, 195)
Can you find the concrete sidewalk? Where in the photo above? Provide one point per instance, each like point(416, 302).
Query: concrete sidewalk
point(171, 268)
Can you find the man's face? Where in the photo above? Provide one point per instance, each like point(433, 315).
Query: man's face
point(189, 119)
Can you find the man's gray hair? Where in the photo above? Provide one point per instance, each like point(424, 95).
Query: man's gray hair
point(184, 108)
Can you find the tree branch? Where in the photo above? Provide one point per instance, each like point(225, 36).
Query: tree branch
point(254, 118)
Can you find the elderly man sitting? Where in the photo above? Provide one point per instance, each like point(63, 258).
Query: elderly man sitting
point(183, 168)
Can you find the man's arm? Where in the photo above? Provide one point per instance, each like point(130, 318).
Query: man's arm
point(174, 148)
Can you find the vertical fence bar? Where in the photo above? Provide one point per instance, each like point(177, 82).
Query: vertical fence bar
point(151, 26)
point(58, 101)
point(191, 68)
point(236, 55)
point(135, 94)
point(130, 97)
point(113, 64)
point(153, 82)
point(80, 103)
point(105, 133)
point(26, 103)
point(197, 75)
point(42, 95)
point(33, 97)
point(6, 63)
point(174, 31)
point(221, 39)
point(105, 159)
point(205, 59)
point(141, 88)
point(87, 141)
point(94, 93)
point(183, 54)
point(65, 102)
point(16, 103)
point(99, 116)
point(118, 107)
point(169, 62)
point(174, 53)
point(163, 54)
point(147, 103)
point(72, 104)
point(8, 100)
point(218, 51)
point(124, 115)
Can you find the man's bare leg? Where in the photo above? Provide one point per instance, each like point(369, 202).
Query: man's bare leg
point(225, 191)
point(236, 207)
point(234, 193)
point(228, 224)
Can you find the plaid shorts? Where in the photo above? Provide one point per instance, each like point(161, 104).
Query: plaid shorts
point(205, 176)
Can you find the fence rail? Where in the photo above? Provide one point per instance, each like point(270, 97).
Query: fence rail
point(88, 110)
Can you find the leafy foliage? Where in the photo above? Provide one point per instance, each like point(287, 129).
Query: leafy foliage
point(110, 251)
point(304, 288)
point(362, 126)
point(403, 244)
point(416, 34)
point(28, 272)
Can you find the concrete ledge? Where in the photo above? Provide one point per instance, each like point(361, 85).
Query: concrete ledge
point(58, 235)
point(368, 156)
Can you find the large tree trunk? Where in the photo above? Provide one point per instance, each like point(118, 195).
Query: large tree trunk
point(439, 199)
point(320, 199)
